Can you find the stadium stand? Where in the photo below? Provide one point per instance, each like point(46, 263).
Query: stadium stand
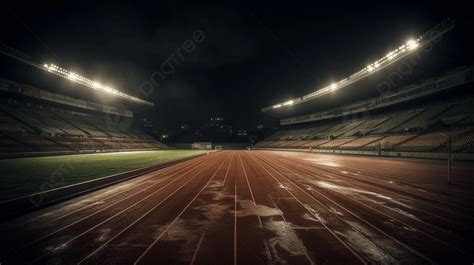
point(464, 142)
point(30, 124)
point(361, 142)
point(336, 142)
point(423, 120)
point(389, 142)
point(372, 125)
point(415, 118)
point(424, 142)
point(395, 121)
point(459, 112)
point(422, 129)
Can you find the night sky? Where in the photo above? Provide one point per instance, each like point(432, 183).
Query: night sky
point(250, 55)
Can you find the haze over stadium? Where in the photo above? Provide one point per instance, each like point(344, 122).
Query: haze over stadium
point(236, 133)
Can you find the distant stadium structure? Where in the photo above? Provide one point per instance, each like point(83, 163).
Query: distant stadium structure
point(202, 145)
point(416, 118)
point(35, 120)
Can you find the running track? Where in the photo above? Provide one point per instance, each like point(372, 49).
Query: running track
point(259, 207)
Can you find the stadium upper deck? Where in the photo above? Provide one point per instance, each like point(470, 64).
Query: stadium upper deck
point(418, 104)
point(36, 120)
point(418, 118)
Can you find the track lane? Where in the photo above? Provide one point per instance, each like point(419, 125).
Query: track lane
point(384, 181)
point(418, 242)
point(118, 225)
point(255, 207)
point(381, 203)
point(47, 222)
point(350, 255)
point(57, 241)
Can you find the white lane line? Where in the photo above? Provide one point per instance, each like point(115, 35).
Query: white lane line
point(410, 249)
point(235, 221)
point(141, 180)
point(105, 208)
point(310, 212)
point(197, 249)
point(141, 217)
point(247, 179)
point(177, 217)
point(251, 193)
point(227, 172)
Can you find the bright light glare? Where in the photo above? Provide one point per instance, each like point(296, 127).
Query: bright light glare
point(391, 57)
point(412, 44)
point(72, 76)
point(89, 83)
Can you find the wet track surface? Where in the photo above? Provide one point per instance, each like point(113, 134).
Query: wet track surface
point(256, 207)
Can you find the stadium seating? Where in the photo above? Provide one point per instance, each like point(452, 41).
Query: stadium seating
point(10, 145)
point(389, 142)
point(427, 142)
point(336, 142)
point(458, 112)
point(335, 131)
point(10, 125)
point(360, 142)
point(372, 125)
point(353, 128)
point(314, 143)
point(395, 121)
point(424, 129)
point(31, 129)
point(423, 120)
point(464, 142)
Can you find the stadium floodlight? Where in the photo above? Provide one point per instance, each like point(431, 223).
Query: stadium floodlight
point(91, 84)
point(72, 76)
point(391, 57)
point(412, 44)
point(56, 70)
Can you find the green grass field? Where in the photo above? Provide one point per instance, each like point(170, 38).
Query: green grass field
point(24, 176)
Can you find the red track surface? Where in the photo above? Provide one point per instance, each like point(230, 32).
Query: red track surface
point(254, 207)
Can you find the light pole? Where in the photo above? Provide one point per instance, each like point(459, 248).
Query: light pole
point(449, 155)
point(449, 158)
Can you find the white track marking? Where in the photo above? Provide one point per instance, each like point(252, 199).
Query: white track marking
point(227, 172)
point(177, 217)
point(384, 214)
point(235, 221)
point(197, 250)
point(140, 180)
point(310, 212)
point(131, 206)
point(251, 193)
point(103, 209)
point(353, 214)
